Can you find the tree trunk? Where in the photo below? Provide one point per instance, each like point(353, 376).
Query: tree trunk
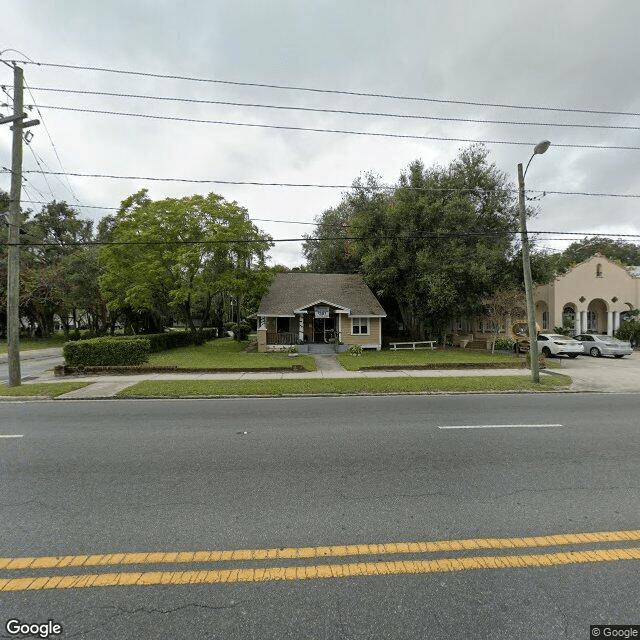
point(187, 312)
point(409, 319)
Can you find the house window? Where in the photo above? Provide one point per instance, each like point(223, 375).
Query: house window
point(359, 326)
point(598, 270)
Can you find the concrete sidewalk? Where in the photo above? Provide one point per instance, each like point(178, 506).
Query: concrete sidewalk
point(108, 386)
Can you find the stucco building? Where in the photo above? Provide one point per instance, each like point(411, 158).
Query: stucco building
point(594, 294)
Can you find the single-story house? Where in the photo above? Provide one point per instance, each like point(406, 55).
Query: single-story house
point(327, 308)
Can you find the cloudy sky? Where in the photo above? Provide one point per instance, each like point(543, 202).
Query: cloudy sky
point(569, 57)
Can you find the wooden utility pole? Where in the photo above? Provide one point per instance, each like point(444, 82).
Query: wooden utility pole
point(13, 257)
point(13, 239)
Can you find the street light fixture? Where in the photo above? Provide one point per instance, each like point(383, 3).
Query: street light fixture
point(540, 148)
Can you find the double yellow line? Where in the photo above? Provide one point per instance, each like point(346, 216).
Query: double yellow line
point(316, 571)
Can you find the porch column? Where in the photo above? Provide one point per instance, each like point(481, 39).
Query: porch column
point(583, 321)
point(609, 323)
point(262, 334)
point(616, 320)
point(301, 327)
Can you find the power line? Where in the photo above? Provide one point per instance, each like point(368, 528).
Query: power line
point(53, 146)
point(149, 116)
point(336, 111)
point(403, 238)
point(320, 238)
point(338, 186)
point(44, 175)
point(330, 91)
point(118, 209)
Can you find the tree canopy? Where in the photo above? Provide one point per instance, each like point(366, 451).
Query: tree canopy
point(178, 255)
point(617, 250)
point(436, 244)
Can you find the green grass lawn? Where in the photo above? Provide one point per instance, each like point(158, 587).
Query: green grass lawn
point(48, 389)
point(226, 353)
point(180, 388)
point(407, 357)
point(27, 344)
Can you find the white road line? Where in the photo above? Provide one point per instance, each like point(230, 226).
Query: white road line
point(16, 436)
point(497, 426)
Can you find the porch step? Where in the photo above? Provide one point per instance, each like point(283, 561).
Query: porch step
point(321, 348)
point(478, 345)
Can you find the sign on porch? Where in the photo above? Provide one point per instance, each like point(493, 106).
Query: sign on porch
point(321, 312)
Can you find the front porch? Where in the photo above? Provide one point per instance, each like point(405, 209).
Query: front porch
point(314, 326)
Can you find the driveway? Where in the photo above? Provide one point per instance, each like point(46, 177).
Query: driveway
point(35, 365)
point(603, 374)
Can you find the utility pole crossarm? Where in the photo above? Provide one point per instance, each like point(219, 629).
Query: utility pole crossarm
point(13, 118)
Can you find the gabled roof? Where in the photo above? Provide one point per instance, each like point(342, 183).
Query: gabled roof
point(292, 291)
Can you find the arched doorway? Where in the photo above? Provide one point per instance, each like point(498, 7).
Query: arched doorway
point(597, 316)
point(569, 318)
point(542, 315)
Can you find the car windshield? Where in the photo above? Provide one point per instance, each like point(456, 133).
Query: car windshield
point(557, 336)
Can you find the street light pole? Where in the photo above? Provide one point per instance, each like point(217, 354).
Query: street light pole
point(526, 264)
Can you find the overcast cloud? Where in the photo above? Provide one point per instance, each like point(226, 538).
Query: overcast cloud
point(571, 54)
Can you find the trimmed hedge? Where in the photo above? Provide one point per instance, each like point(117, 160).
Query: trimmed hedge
point(173, 340)
point(157, 341)
point(106, 352)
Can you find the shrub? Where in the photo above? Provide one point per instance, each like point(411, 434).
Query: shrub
point(629, 331)
point(106, 352)
point(241, 331)
point(85, 334)
point(292, 349)
point(504, 344)
point(355, 350)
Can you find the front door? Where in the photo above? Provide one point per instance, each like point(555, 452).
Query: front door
point(324, 329)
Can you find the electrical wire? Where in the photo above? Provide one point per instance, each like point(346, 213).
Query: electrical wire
point(340, 186)
point(402, 238)
point(335, 111)
point(328, 91)
point(53, 146)
point(402, 136)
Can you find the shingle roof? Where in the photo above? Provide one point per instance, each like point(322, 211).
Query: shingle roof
point(291, 291)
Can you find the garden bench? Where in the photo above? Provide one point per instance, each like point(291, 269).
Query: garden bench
point(424, 344)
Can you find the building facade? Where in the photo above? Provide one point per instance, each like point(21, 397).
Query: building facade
point(594, 295)
point(317, 308)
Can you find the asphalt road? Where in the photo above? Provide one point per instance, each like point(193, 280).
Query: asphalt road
point(177, 476)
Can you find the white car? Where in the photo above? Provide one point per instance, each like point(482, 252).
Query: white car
point(597, 346)
point(554, 344)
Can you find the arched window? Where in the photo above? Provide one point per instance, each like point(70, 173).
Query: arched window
point(598, 270)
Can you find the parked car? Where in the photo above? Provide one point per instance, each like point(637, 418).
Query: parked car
point(597, 345)
point(555, 344)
